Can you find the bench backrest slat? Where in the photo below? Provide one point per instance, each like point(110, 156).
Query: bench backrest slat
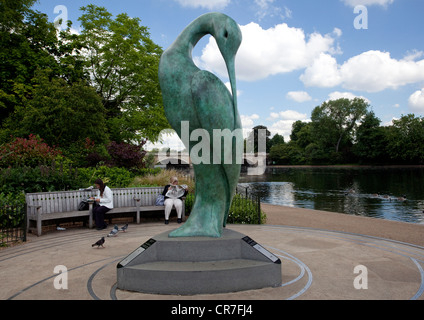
point(65, 201)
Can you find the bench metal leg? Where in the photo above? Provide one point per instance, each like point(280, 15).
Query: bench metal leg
point(39, 223)
point(138, 204)
point(90, 215)
point(138, 216)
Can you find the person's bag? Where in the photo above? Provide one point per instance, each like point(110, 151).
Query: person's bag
point(160, 200)
point(83, 206)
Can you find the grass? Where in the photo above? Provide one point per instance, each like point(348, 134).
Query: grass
point(162, 179)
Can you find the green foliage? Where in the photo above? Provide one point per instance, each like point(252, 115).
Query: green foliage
point(113, 177)
point(370, 140)
point(51, 87)
point(123, 64)
point(38, 179)
point(405, 140)
point(62, 114)
point(189, 202)
point(29, 43)
point(335, 120)
point(287, 154)
point(244, 211)
point(12, 208)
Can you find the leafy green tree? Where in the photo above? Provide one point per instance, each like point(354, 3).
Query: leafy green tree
point(276, 140)
point(370, 144)
point(29, 42)
point(405, 140)
point(301, 133)
point(123, 64)
point(63, 114)
point(287, 154)
point(335, 121)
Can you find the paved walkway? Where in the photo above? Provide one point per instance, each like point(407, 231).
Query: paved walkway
point(319, 252)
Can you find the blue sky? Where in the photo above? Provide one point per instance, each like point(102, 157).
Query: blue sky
point(296, 54)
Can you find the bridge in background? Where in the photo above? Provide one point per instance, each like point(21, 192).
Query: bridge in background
point(183, 159)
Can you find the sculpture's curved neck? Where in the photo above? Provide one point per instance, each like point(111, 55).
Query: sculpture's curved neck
point(193, 33)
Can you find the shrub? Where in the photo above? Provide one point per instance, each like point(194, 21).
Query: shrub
point(39, 179)
point(113, 177)
point(11, 210)
point(244, 211)
point(27, 152)
point(126, 155)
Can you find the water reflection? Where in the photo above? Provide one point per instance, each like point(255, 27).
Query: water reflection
point(358, 191)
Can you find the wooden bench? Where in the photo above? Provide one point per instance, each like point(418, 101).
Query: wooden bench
point(64, 204)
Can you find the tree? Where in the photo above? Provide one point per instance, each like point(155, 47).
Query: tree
point(301, 133)
point(28, 43)
point(276, 140)
point(370, 140)
point(63, 114)
point(336, 120)
point(123, 64)
point(287, 154)
point(405, 140)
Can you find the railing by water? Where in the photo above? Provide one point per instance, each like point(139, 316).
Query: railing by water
point(245, 207)
point(246, 204)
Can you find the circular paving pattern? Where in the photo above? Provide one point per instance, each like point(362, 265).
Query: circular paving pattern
point(316, 264)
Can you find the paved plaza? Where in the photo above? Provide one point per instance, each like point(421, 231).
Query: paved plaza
point(317, 264)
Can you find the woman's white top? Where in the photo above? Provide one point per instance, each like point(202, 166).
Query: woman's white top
point(107, 199)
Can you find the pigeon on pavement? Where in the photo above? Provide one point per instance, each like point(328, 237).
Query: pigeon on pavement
point(99, 243)
point(114, 231)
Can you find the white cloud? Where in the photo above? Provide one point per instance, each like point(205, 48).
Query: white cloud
point(323, 72)
point(348, 95)
point(248, 121)
point(284, 125)
point(354, 3)
point(414, 55)
point(371, 71)
point(416, 101)
point(267, 9)
point(169, 139)
point(273, 51)
point(299, 96)
point(207, 4)
point(283, 49)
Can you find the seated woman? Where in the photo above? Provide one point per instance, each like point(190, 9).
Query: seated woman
point(104, 200)
point(174, 195)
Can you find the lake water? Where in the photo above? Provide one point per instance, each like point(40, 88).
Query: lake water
point(371, 192)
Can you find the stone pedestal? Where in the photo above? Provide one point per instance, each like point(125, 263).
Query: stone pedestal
point(189, 266)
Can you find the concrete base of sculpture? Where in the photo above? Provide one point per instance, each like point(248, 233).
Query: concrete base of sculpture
point(190, 266)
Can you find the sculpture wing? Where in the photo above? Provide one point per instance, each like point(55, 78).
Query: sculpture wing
point(213, 104)
point(212, 101)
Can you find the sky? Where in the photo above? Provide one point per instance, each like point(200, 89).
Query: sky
point(295, 54)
